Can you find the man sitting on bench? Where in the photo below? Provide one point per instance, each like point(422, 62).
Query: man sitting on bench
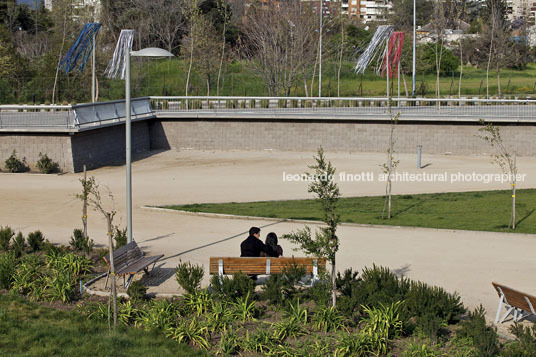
point(252, 246)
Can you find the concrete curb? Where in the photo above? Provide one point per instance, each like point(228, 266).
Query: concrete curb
point(360, 225)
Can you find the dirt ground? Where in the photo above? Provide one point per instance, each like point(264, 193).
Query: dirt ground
point(462, 261)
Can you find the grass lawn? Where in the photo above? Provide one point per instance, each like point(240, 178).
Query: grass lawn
point(27, 329)
point(168, 77)
point(482, 211)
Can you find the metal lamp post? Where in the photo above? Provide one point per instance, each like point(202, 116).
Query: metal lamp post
point(146, 52)
point(414, 39)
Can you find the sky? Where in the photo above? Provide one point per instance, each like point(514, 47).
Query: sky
point(32, 3)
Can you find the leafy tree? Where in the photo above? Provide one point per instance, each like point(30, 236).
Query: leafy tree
point(325, 242)
point(449, 61)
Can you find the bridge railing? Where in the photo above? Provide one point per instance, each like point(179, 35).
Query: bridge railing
point(72, 116)
point(425, 108)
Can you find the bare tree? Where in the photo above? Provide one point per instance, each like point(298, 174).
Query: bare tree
point(502, 157)
point(201, 46)
point(95, 200)
point(390, 166)
point(163, 20)
point(225, 13)
point(439, 23)
point(280, 43)
point(193, 14)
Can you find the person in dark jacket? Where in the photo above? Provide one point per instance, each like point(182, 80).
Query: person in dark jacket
point(271, 241)
point(252, 246)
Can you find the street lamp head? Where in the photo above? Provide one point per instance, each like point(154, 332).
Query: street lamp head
point(152, 52)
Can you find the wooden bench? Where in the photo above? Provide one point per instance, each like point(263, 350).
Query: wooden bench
point(263, 265)
point(515, 302)
point(129, 260)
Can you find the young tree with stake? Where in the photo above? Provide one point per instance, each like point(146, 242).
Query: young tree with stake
point(325, 242)
point(502, 157)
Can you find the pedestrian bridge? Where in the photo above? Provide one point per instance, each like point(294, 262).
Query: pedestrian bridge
point(73, 118)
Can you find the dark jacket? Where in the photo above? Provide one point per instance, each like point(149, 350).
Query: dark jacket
point(252, 247)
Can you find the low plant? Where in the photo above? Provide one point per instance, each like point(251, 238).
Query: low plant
point(199, 302)
point(14, 164)
point(6, 233)
point(120, 237)
point(262, 341)
point(290, 327)
point(36, 241)
point(72, 264)
point(81, 243)
point(421, 349)
point(158, 314)
point(430, 326)
point(422, 299)
point(189, 276)
point(283, 287)
point(127, 313)
point(220, 317)
point(8, 264)
point(525, 343)
point(297, 312)
point(234, 287)
point(19, 245)
point(347, 282)
point(137, 292)
point(59, 286)
point(348, 344)
point(189, 331)
point(245, 308)
point(381, 326)
point(485, 338)
point(327, 318)
point(29, 278)
point(229, 343)
point(46, 165)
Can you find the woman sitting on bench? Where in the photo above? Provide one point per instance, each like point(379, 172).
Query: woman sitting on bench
point(271, 241)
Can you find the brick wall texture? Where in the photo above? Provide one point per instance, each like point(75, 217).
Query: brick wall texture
point(436, 138)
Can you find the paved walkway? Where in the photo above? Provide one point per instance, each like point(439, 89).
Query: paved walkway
point(460, 261)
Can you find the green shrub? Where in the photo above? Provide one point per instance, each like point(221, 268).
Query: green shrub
point(252, 103)
point(346, 282)
point(19, 244)
point(46, 165)
point(430, 326)
point(13, 164)
point(29, 278)
point(8, 264)
point(120, 237)
point(525, 343)
point(423, 299)
point(136, 291)
point(484, 337)
point(189, 276)
point(190, 331)
point(283, 287)
point(36, 240)
point(231, 288)
point(6, 233)
point(81, 243)
point(320, 292)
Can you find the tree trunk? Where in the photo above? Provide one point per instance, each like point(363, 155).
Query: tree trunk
point(461, 71)
point(221, 59)
point(59, 59)
point(333, 284)
point(112, 267)
point(499, 80)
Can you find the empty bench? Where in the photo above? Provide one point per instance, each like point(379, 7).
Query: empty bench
point(130, 260)
point(515, 302)
point(263, 265)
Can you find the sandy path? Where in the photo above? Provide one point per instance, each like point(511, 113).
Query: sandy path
point(460, 261)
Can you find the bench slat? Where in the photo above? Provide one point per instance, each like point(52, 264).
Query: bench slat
point(249, 265)
point(515, 297)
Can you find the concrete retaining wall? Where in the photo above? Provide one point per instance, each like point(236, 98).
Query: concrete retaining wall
point(106, 146)
point(94, 148)
point(436, 138)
